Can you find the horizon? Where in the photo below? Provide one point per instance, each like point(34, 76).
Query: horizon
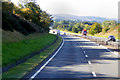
point(109, 8)
point(84, 16)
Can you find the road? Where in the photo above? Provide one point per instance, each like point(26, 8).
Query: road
point(80, 58)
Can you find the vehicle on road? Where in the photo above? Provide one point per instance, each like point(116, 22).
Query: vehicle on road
point(64, 33)
point(53, 31)
point(58, 32)
point(84, 32)
point(111, 38)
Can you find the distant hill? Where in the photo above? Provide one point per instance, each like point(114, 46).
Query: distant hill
point(80, 18)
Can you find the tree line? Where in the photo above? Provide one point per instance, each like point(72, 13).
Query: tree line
point(78, 26)
point(27, 19)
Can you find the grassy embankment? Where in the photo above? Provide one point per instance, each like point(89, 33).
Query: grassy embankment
point(15, 48)
point(113, 31)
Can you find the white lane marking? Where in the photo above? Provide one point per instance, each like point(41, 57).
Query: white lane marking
point(84, 51)
point(40, 69)
point(89, 62)
point(110, 50)
point(93, 73)
point(86, 55)
point(97, 44)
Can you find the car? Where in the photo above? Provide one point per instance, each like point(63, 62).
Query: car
point(64, 33)
point(111, 38)
point(84, 32)
point(58, 32)
point(53, 31)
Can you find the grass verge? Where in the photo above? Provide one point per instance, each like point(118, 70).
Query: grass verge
point(16, 50)
point(22, 69)
point(104, 36)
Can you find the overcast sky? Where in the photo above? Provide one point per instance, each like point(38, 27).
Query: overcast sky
point(101, 8)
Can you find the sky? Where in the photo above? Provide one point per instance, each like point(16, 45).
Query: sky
point(99, 8)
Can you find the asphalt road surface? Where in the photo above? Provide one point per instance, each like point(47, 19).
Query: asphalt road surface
point(80, 58)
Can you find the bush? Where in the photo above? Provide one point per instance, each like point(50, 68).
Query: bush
point(105, 29)
point(95, 28)
point(79, 32)
point(15, 18)
point(74, 30)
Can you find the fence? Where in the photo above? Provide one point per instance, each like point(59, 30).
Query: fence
point(114, 45)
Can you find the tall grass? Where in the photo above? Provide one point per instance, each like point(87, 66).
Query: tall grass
point(16, 46)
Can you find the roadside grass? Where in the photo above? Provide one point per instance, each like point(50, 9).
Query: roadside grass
point(15, 49)
point(22, 69)
point(0, 52)
point(104, 36)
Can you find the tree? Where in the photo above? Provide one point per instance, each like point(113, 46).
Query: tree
point(109, 23)
point(38, 16)
point(87, 27)
point(79, 28)
point(95, 28)
point(74, 29)
point(20, 18)
point(105, 29)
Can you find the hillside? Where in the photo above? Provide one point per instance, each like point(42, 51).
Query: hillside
point(25, 20)
point(80, 18)
point(22, 31)
point(113, 31)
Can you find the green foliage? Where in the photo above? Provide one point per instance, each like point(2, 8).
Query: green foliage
point(14, 51)
point(79, 32)
point(87, 27)
point(109, 23)
point(105, 29)
point(22, 69)
point(74, 29)
point(69, 28)
point(68, 25)
point(95, 28)
point(13, 22)
point(77, 27)
point(20, 19)
point(7, 7)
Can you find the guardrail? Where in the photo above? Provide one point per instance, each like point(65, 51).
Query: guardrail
point(114, 45)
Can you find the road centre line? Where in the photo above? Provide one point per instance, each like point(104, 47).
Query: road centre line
point(86, 55)
point(89, 62)
point(93, 73)
point(84, 51)
point(106, 48)
point(40, 69)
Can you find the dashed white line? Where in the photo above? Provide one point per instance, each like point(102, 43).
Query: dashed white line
point(89, 62)
point(33, 76)
point(93, 73)
point(84, 51)
point(86, 55)
point(82, 47)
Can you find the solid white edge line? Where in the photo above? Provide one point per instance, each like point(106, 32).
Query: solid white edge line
point(107, 49)
point(110, 50)
point(86, 55)
point(33, 76)
point(84, 51)
point(93, 73)
point(89, 62)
